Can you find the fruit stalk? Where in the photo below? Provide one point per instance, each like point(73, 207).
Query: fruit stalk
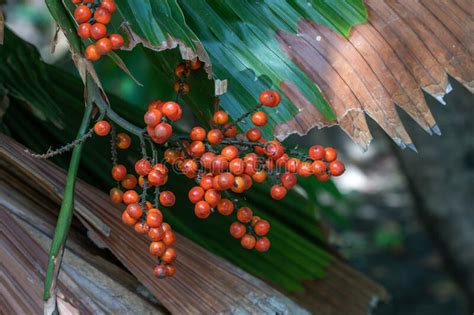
point(64, 221)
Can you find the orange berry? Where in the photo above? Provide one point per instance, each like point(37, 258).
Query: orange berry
point(127, 219)
point(304, 169)
point(202, 209)
point(262, 245)
point(130, 196)
point(288, 180)
point(336, 168)
point(123, 141)
point(167, 198)
point(316, 152)
point(169, 238)
point(259, 118)
point(92, 53)
point(141, 228)
point(109, 5)
point(117, 41)
point(330, 154)
point(171, 156)
point(143, 167)
point(237, 230)
point(156, 234)
point(230, 152)
point(220, 118)
point(293, 164)
point(189, 168)
point(239, 185)
point(247, 181)
point(162, 132)
point(248, 241)
point(318, 167)
point(134, 210)
point(166, 227)
point(102, 15)
point(323, 177)
point(223, 181)
point(237, 166)
point(170, 270)
point(206, 159)
point(230, 130)
point(225, 207)
point(212, 197)
point(197, 134)
point(98, 31)
point(215, 136)
point(196, 194)
point(260, 176)
point(154, 218)
point(262, 227)
point(275, 150)
point(219, 164)
point(278, 192)
point(244, 215)
point(182, 70)
point(169, 256)
point(157, 248)
point(254, 134)
point(129, 182)
point(270, 98)
point(197, 148)
point(171, 110)
point(84, 30)
point(156, 178)
point(116, 195)
point(152, 117)
point(206, 182)
point(160, 271)
point(104, 45)
point(102, 128)
point(82, 14)
point(119, 172)
point(195, 64)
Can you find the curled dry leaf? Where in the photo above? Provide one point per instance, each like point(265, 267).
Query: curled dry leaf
point(407, 46)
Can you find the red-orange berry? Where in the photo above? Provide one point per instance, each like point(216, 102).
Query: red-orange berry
point(117, 41)
point(230, 130)
point(157, 248)
point(104, 45)
point(169, 256)
point(244, 215)
point(169, 238)
point(116, 195)
point(330, 154)
point(261, 228)
point(262, 245)
point(259, 176)
point(141, 228)
point(160, 271)
point(223, 181)
point(102, 128)
point(196, 194)
point(254, 134)
point(288, 180)
point(102, 15)
point(237, 230)
point(278, 192)
point(182, 87)
point(323, 177)
point(195, 64)
point(239, 185)
point(182, 70)
point(318, 167)
point(84, 30)
point(275, 150)
point(248, 241)
point(270, 98)
point(206, 182)
point(82, 14)
point(316, 152)
point(189, 168)
point(207, 159)
point(98, 31)
point(336, 168)
point(152, 117)
point(143, 167)
point(109, 5)
point(220, 118)
point(202, 209)
point(154, 218)
point(92, 53)
point(162, 132)
point(170, 270)
point(171, 110)
point(237, 166)
point(225, 207)
point(134, 210)
point(171, 156)
point(293, 164)
point(215, 136)
point(127, 219)
point(156, 234)
point(197, 148)
point(219, 164)
point(167, 198)
point(259, 118)
point(212, 197)
point(156, 178)
point(130, 196)
point(123, 141)
point(129, 182)
point(119, 172)
point(197, 134)
point(230, 152)
point(304, 169)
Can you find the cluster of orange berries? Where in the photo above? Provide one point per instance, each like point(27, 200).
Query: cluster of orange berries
point(92, 17)
point(220, 161)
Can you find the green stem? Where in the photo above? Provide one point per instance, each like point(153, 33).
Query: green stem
point(64, 219)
